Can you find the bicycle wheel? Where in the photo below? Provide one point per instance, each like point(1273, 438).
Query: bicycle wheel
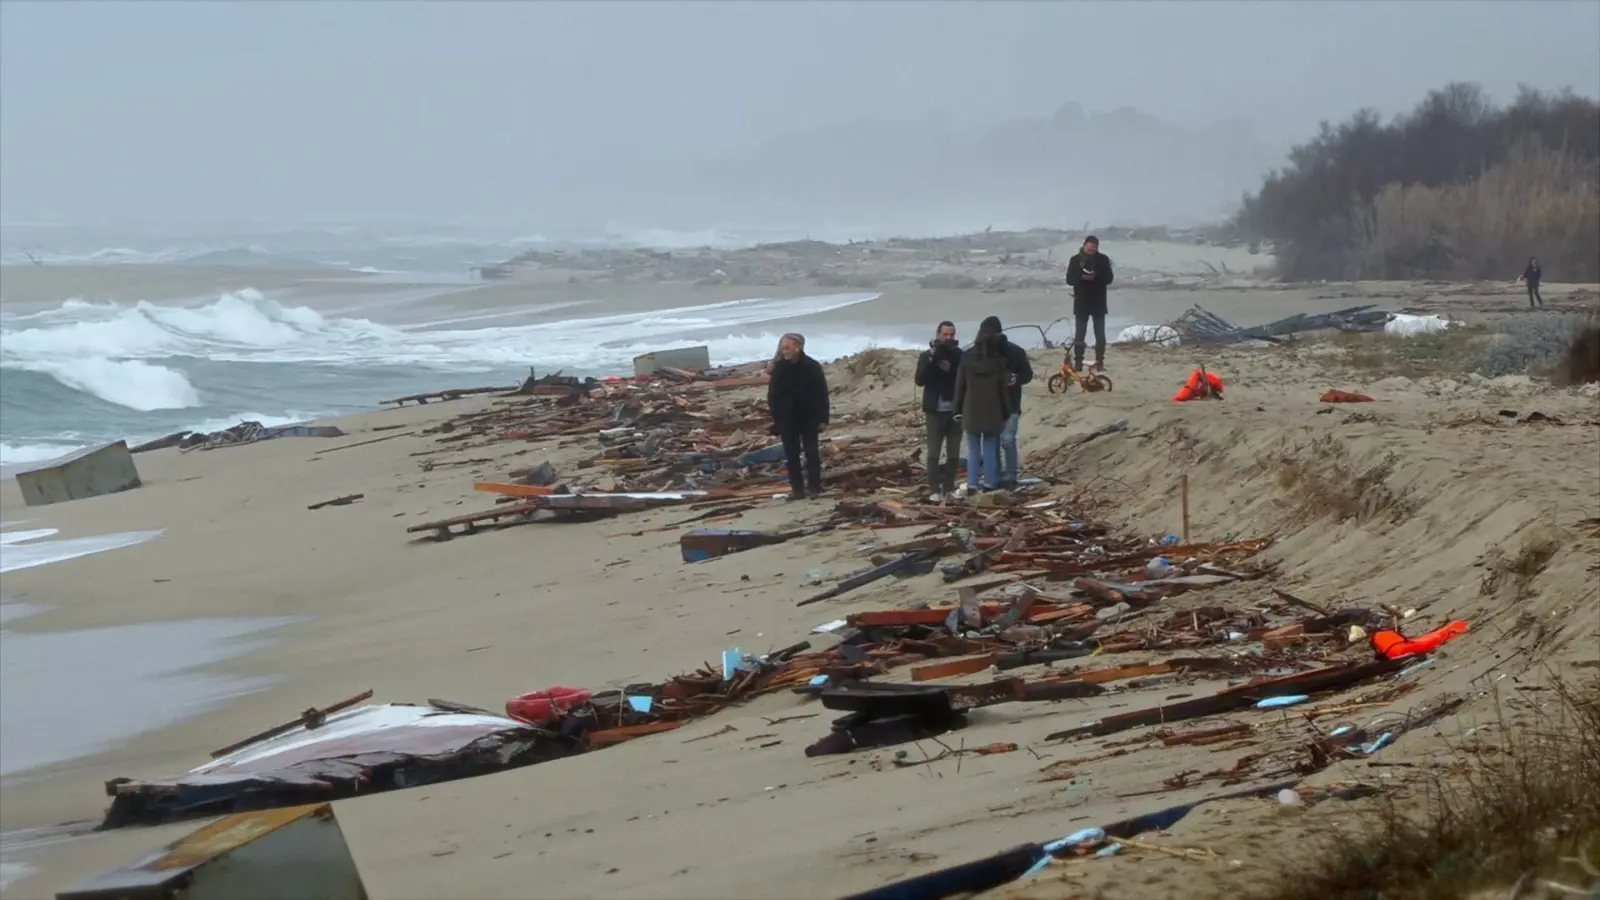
point(1058, 383)
point(1099, 382)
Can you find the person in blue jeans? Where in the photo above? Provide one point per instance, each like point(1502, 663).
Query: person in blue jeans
point(1019, 371)
point(982, 405)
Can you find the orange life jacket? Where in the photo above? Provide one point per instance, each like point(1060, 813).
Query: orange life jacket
point(1393, 644)
point(1198, 385)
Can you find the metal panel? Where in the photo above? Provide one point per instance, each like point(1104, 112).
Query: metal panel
point(91, 472)
point(694, 359)
point(295, 852)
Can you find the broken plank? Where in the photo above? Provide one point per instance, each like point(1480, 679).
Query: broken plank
point(609, 736)
point(952, 668)
point(346, 500)
point(514, 490)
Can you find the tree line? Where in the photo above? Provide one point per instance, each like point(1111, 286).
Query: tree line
point(1456, 188)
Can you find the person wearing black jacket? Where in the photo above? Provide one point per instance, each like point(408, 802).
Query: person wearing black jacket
point(1090, 274)
point(1532, 275)
point(936, 375)
point(797, 396)
point(1019, 371)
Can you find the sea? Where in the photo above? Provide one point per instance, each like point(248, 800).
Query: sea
point(81, 370)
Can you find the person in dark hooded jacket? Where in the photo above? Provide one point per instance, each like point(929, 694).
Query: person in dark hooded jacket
point(1019, 371)
point(983, 403)
point(797, 396)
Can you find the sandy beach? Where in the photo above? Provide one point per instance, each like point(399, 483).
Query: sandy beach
point(355, 603)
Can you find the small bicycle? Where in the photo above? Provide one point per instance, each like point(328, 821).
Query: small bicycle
point(1091, 381)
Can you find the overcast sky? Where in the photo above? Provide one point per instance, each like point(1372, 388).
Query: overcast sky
point(462, 111)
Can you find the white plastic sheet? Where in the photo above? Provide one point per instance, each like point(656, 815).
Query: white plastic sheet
point(1162, 335)
point(1410, 326)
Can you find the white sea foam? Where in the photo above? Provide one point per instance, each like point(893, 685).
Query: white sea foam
point(23, 454)
point(29, 551)
point(124, 382)
point(18, 537)
point(116, 352)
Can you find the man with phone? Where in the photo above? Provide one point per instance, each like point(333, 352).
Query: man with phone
point(936, 375)
point(1089, 273)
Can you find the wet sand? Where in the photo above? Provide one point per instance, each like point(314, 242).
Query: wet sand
point(481, 619)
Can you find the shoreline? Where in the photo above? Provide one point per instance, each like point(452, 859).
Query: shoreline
point(481, 619)
point(493, 331)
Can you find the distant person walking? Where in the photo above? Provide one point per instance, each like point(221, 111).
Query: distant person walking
point(1531, 276)
point(937, 369)
point(797, 395)
point(982, 403)
point(1089, 273)
point(1019, 371)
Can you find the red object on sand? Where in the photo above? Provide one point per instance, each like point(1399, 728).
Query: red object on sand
point(1200, 385)
point(1345, 397)
point(546, 706)
point(1393, 644)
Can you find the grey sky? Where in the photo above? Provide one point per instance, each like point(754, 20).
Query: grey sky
point(361, 111)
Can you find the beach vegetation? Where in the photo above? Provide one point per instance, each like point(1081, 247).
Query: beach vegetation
point(1561, 347)
point(1512, 810)
point(1457, 188)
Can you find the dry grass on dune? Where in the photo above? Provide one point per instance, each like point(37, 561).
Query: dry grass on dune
point(1564, 347)
point(1321, 482)
point(1515, 819)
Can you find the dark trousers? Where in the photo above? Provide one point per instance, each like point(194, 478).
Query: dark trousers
point(944, 435)
point(1082, 322)
point(1533, 295)
point(795, 441)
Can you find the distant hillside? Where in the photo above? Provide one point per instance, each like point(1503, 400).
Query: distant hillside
point(1061, 170)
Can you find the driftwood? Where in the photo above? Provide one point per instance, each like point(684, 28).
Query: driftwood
point(1200, 326)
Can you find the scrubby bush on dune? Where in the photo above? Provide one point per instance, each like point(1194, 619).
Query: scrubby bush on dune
point(1582, 364)
point(1455, 189)
point(1530, 345)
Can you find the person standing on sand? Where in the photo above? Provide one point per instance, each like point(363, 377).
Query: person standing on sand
point(982, 402)
point(1090, 274)
point(1531, 276)
point(1019, 371)
point(937, 368)
point(797, 396)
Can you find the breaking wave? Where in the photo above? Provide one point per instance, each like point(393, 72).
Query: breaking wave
point(114, 352)
point(146, 369)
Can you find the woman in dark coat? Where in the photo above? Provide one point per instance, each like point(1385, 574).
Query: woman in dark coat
point(797, 395)
point(983, 404)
